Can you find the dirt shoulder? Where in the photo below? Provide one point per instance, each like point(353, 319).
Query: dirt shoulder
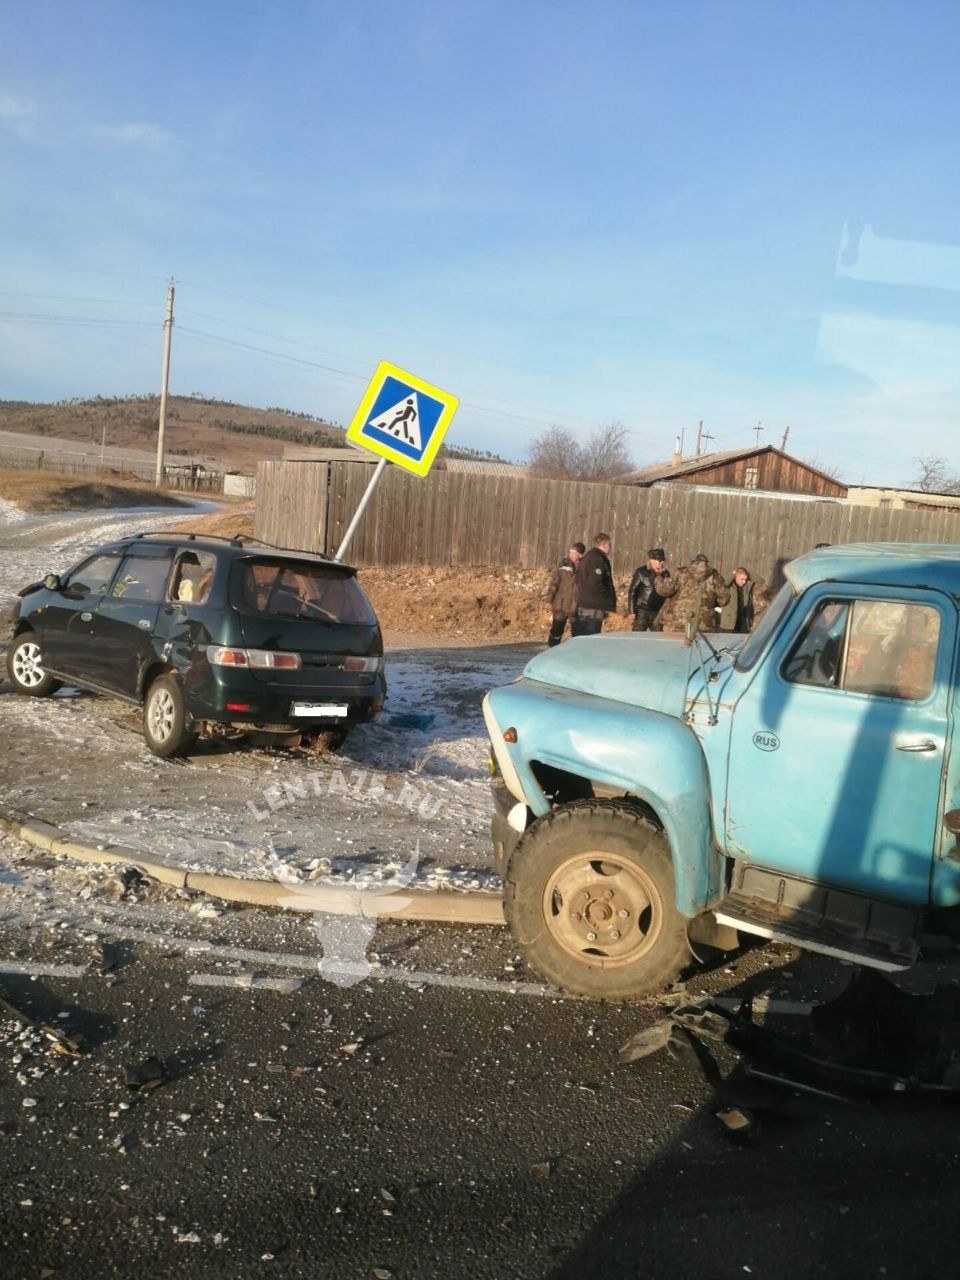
point(45, 492)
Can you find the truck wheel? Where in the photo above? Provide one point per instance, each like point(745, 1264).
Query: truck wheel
point(25, 668)
point(166, 726)
point(589, 898)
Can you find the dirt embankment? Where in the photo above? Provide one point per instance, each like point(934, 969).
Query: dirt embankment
point(43, 492)
point(475, 603)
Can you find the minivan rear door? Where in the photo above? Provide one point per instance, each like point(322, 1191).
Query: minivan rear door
point(318, 611)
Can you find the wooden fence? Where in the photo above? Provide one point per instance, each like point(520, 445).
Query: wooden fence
point(453, 519)
point(77, 463)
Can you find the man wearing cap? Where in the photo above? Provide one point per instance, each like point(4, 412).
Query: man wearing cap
point(561, 593)
point(693, 596)
point(643, 599)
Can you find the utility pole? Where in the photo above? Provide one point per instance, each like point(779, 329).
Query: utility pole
point(783, 442)
point(164, 383)
point(699, 436)
point(707, 436)
point(103, 441)
point(758, 428)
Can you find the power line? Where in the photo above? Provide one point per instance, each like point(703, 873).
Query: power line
point(27, 317)
point(283, 357)
point(62, 297)
point(547, 417)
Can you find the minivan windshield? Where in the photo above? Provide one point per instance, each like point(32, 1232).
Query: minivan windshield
point(300, 589)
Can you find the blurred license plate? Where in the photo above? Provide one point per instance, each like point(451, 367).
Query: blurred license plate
point(336, 710)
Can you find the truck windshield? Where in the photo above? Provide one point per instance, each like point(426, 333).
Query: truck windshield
point(757, 640)
point(294, 589)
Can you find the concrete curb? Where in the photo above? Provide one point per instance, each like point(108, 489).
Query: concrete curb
point(465, 907)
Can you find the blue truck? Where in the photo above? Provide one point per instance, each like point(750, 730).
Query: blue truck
point(801, 783)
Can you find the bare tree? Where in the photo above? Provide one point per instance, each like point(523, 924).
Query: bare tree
point(556, 455)
point(605, 455)
point(933, 475)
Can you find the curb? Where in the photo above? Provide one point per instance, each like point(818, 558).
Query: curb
point(443, 906)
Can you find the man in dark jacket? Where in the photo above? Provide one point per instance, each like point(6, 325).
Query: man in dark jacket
point(644, 601)
point(596, 594)
point(561, 592)
point(740, 611)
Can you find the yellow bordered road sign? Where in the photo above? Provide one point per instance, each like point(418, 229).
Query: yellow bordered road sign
point(402, 418)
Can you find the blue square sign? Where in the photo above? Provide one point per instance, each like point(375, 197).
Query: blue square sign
point(402, 418)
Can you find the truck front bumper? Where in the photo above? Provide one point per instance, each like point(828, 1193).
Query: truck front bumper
point(505, 835)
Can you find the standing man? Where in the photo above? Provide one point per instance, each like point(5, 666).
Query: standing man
point(693, 596)
point(643, 600)
point(739, 612)
point(561, 593)
point(596, 594)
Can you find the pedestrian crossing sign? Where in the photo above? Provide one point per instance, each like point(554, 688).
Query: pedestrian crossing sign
point(402, 418)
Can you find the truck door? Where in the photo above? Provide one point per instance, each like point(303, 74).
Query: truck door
point(838, 744)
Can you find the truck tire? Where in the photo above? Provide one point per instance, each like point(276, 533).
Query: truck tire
point(589, 898)
point(167, 728)
point(25, 668)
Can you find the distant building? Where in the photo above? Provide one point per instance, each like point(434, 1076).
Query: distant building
point(868, 495)
point(472, 466)
point(761, 467)
point(484, 467)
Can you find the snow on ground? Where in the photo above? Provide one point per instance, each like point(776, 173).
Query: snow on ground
point(32, 545)
point(391, 794)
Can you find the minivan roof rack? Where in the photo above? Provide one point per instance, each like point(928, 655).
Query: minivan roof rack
point(234, 540)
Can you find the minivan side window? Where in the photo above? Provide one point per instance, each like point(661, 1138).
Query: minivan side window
point(142, 577)
point(192, 577)
point(885, 648)
point(92, 577)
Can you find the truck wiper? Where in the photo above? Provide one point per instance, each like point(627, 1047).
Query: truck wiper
point(694, 636)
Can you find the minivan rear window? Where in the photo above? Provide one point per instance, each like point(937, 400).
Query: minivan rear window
point(292, 589)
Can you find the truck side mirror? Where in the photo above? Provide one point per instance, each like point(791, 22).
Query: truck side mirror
point(52, 582)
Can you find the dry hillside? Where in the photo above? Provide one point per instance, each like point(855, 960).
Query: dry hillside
point(230, 435)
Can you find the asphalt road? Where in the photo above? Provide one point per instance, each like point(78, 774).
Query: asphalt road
point(398, 1128)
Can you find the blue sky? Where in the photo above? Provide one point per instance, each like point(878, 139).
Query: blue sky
point(564, 213)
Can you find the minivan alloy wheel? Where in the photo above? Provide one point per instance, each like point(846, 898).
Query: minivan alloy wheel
point(162, 713)
point(28, 665)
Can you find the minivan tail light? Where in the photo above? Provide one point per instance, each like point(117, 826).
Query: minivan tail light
point(263, 659)
point(219, 656)
point(270, 658)
point(369, 665)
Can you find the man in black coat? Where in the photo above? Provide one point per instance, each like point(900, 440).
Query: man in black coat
point(596, 594)
point(643, 601)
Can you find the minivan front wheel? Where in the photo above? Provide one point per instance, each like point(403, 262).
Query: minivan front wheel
point(26, 670)
point(167, 728)
point(589, 898)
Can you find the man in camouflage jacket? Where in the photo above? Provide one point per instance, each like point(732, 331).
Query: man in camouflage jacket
point(693, 594)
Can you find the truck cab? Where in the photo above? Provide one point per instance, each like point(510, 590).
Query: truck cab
point(798, 783)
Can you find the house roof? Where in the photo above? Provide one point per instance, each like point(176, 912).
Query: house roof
point(707, 461)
